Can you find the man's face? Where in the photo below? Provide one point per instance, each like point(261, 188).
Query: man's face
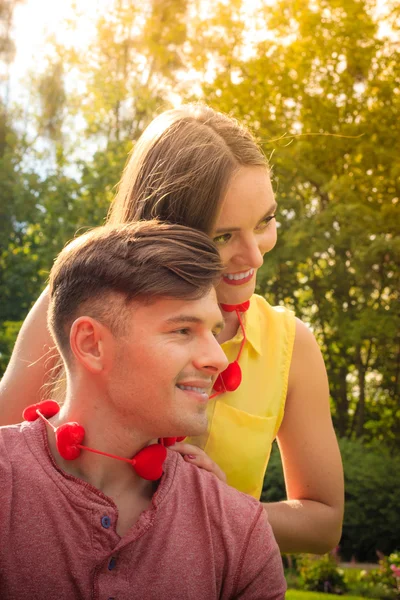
point(165, 365)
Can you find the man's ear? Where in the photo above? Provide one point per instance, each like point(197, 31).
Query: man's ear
point(91, 344)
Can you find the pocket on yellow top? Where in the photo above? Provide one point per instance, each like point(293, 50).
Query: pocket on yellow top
point(240, 443)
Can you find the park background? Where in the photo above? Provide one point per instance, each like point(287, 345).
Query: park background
point(318, 82)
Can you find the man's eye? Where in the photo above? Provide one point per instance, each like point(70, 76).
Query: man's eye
point(265, 222)
point(223, 238)
point(183, 331)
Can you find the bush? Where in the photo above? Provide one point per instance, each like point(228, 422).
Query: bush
point(372, 495)
point(372, 498)
point(384, 578)
point(377, 583)
point(321, 574)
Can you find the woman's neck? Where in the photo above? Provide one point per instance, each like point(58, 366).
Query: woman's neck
point(231, 326)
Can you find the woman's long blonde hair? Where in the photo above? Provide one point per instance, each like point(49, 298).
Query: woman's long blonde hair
point(180, 167)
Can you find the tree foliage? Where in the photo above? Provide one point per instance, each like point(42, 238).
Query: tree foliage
point(323, 94)
point(317, 81)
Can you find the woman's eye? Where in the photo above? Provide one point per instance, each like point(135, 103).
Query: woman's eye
point(265, 222)
point(223, 238)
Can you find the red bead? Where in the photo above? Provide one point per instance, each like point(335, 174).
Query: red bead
point(230, 379)
point(30, 413)
point(148, 463)
point(68, 438)
point(232, 307)
point(48, 408)
point(168, 441)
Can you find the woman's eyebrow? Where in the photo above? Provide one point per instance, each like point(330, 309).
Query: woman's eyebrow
point(269, 212)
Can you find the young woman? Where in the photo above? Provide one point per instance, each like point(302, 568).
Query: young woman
point(200, 168)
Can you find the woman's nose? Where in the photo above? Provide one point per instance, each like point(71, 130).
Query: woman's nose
point(252, 254)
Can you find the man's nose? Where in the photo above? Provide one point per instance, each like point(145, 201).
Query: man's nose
point(213, 359)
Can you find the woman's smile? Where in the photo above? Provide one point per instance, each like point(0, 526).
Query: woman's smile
point(238, 278)
point(245, 231)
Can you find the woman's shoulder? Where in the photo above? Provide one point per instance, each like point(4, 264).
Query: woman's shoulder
point(263, 305)
point(284, 316)
point(278, 316)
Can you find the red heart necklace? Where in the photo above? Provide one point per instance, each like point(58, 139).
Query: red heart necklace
point(148, 462)
point(230, 379)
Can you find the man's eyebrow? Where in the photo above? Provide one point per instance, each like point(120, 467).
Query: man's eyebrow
point(179, 319)
point(269, 212)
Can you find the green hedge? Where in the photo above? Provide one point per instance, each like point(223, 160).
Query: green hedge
point(301, 595)
point(372, 484)
point(323, 573)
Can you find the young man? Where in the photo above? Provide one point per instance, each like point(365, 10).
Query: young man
point(134, 314)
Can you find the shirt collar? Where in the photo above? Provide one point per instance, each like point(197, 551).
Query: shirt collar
point(252, 326)
point(251, 321)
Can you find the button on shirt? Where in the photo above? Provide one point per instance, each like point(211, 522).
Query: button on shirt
point(106, 522)
point(199, 540)
point(112, 564)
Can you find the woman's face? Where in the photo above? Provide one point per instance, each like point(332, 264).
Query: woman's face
point(245, 231)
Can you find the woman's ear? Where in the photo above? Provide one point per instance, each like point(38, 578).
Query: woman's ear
point(90, 343)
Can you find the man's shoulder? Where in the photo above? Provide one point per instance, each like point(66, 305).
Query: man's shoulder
point(12, 442)
point(10, 434)
point(240, 537)
point(9, 440)
point(216, 496)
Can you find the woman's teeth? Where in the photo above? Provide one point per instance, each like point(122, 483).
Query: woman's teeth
point(237, 277)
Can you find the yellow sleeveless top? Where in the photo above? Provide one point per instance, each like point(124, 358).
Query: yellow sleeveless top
point(243, 424)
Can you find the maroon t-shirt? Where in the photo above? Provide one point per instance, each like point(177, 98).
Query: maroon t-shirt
point(200, 539)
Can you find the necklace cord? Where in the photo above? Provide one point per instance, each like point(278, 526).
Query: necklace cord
point(244, 334)
point(45, 420)
point(128, 460)
point(233, 370)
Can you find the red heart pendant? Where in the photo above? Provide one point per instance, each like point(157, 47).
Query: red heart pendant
point(148, 463)
point(30, 413)
point(48, 408)
point(230, 379)
point(68, 438)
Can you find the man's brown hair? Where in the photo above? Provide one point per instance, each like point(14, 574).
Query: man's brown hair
point(101, 272)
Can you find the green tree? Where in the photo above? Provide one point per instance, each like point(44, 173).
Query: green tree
point(126, 74)
point(323, 94)
point(321, 91)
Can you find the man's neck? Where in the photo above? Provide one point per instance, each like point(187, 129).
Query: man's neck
point(105, 432)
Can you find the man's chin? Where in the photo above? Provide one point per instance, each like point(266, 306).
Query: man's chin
point(194, 429)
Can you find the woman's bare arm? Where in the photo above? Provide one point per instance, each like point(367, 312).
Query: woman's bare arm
point(311, 519)
point(32, 359)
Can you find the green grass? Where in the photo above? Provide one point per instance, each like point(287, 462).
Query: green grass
point(301, 595)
